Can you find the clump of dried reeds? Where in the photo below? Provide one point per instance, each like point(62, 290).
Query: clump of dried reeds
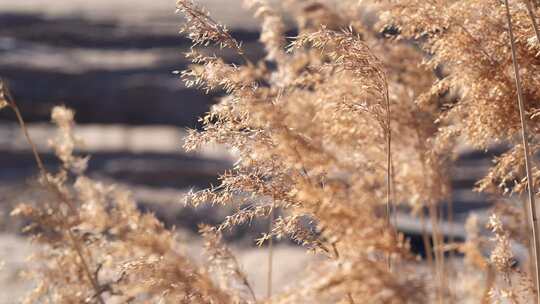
point(340, 129)
point(96, 246)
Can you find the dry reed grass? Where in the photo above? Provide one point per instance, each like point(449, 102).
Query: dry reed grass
point(338, 130)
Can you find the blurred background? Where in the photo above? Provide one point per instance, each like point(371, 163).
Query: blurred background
point(113, 62)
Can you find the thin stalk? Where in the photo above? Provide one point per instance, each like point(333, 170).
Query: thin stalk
point(443, 263)
point(394, 206)
point(532, 15)
point(427, 243)
point(450, 269)
point(75, 243)
point(23, 127)
point(430, 250)
point(270, 255)
point(526, 152)
point(388, 190)
point(437, 248)
point(394, 210)
point(450, 217)
point(389, 170)
point(527, 231)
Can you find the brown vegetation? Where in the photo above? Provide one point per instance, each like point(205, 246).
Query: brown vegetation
point(340, 129)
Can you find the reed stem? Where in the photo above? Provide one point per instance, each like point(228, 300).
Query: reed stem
point(526, 152)
point(75, 243)
point(270, 255)
point(532, 15)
